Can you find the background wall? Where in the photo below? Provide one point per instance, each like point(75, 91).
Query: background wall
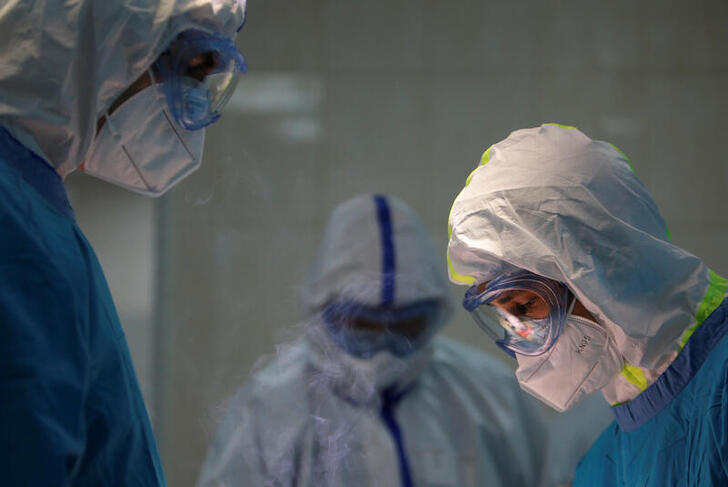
point(399, 97)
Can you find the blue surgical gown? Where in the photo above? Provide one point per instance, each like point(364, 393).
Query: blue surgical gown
point(675, 433)
point(70, 406)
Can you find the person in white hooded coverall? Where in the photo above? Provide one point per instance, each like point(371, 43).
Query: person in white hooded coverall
point(354, 402)
point(126, 87)
point(572, 271)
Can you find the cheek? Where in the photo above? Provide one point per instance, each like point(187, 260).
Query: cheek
point(540, 309)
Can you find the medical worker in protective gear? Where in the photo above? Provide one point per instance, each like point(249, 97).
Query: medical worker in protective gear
point(368, 396)
point(571, 270)
point(126, 88)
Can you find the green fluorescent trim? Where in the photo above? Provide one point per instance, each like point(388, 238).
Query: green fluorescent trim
point(483, 161)
point(486, 156)
point(470, 176)
point(560, 125)
point(634, 376)
point(713, 297)
point(469, 280)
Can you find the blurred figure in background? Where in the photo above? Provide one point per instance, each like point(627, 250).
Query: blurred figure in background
point(126, 88)
point(369, 396)
point(572, 270)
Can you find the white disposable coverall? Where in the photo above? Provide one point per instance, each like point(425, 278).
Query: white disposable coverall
point(462, 420)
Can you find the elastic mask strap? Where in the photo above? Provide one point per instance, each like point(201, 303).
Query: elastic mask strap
point(571, 306)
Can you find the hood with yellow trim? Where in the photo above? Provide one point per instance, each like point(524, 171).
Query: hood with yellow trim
point(555, 202)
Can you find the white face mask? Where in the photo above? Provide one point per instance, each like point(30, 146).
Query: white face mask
point(141, 149)
point(583, 360)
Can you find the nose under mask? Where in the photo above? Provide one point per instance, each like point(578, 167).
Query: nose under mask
point(583, 360)
point(141, 149)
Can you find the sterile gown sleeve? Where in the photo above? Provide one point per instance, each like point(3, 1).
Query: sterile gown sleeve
point(72, 412)
point(42, 390)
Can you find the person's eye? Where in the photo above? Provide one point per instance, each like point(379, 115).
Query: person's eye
point(527, 309)
point(201, 65)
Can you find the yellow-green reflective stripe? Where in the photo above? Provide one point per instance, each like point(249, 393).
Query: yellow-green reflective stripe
point(470, 176)
point(560, 125)
point(635, 376)
point(713, 297)
point(469, 280)
point(486, 156)
point(483, 161)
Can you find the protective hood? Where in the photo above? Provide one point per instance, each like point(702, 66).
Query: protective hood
point(62, 64)
point(555, 202)
point(376, 252)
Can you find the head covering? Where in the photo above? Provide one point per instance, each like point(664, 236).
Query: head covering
point(62, 64)
point(552, 201)
point(376, 252)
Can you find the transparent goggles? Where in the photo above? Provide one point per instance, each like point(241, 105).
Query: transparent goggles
point(363, 331)
point(199, 73)
point(523, 312)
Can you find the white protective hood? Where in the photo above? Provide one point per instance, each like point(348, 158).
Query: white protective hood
point(62, 63)
point(374, 253)
point(553, 201)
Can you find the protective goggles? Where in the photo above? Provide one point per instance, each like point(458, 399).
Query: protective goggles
point(363, 331)
point(199, 73)
point(523, 312)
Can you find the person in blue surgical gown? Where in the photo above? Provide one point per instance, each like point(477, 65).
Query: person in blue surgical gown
point(572, 271)
point(123, 90)
point(368, 395)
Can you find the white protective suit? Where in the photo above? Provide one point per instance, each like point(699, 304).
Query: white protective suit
point(63, 63)
point(460, 420)
point(554, 202)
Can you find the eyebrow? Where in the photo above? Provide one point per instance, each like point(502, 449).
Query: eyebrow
point(506, 297)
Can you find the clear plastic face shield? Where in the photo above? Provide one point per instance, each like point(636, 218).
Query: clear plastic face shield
point(198, 74)
point(523, 312)
point(363, 331)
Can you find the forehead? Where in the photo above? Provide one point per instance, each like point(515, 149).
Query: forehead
point(512, 294)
